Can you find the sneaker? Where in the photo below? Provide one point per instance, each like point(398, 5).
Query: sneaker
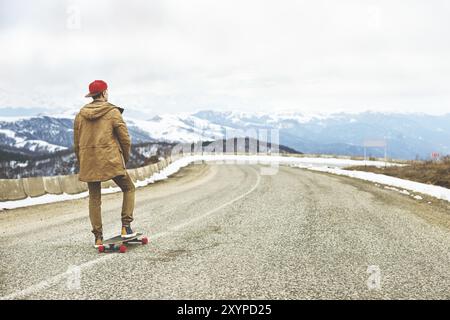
point(127, 232)
point(98, 242)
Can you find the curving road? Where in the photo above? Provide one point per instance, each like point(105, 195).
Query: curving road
point(227, 232)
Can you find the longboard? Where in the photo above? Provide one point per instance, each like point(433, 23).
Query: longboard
point(118, 243)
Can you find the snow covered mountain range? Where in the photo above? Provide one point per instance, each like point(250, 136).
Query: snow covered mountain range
point(407, 135)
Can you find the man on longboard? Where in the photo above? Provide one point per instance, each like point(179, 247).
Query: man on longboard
point(102, 146)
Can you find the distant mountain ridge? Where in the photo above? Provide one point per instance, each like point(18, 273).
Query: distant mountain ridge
point(407, 135)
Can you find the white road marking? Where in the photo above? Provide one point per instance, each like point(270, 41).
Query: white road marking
point(56, 279)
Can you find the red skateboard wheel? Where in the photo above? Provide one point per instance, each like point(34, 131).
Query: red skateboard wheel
point(101, 249)
point(123, 249)
point(144, 240)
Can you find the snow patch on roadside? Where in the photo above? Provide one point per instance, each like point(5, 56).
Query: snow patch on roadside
point(306, 161)
point(405, 192)
point(392, 183)
point(46, 198)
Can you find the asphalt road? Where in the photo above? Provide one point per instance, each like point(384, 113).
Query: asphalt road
point(227, 232)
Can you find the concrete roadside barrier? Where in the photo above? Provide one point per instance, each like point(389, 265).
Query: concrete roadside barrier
point(33, 186)
point(71, 185)
point(109, 184)
point(161, 165)
point(154, 168)
point(52, 185)
point(147, 171)
point(132, 174)
point(151, 169)
point(11, 189)
point(140, 174)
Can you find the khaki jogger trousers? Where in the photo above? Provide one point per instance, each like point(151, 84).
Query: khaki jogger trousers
point(126, 185)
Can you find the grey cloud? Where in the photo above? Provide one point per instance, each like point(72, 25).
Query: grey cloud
point(255, 55)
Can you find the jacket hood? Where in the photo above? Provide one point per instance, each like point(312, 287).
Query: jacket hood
point(97, 109)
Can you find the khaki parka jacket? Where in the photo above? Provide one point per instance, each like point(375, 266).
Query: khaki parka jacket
point(101, 141)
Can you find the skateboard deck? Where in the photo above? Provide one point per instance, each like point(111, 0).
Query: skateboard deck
point(118, 243)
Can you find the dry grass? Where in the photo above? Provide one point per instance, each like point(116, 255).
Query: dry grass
point(431, 172)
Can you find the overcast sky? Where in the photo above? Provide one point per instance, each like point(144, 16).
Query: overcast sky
point(164, 56)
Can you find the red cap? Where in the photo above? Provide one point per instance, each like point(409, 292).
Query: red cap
point(96, 87)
